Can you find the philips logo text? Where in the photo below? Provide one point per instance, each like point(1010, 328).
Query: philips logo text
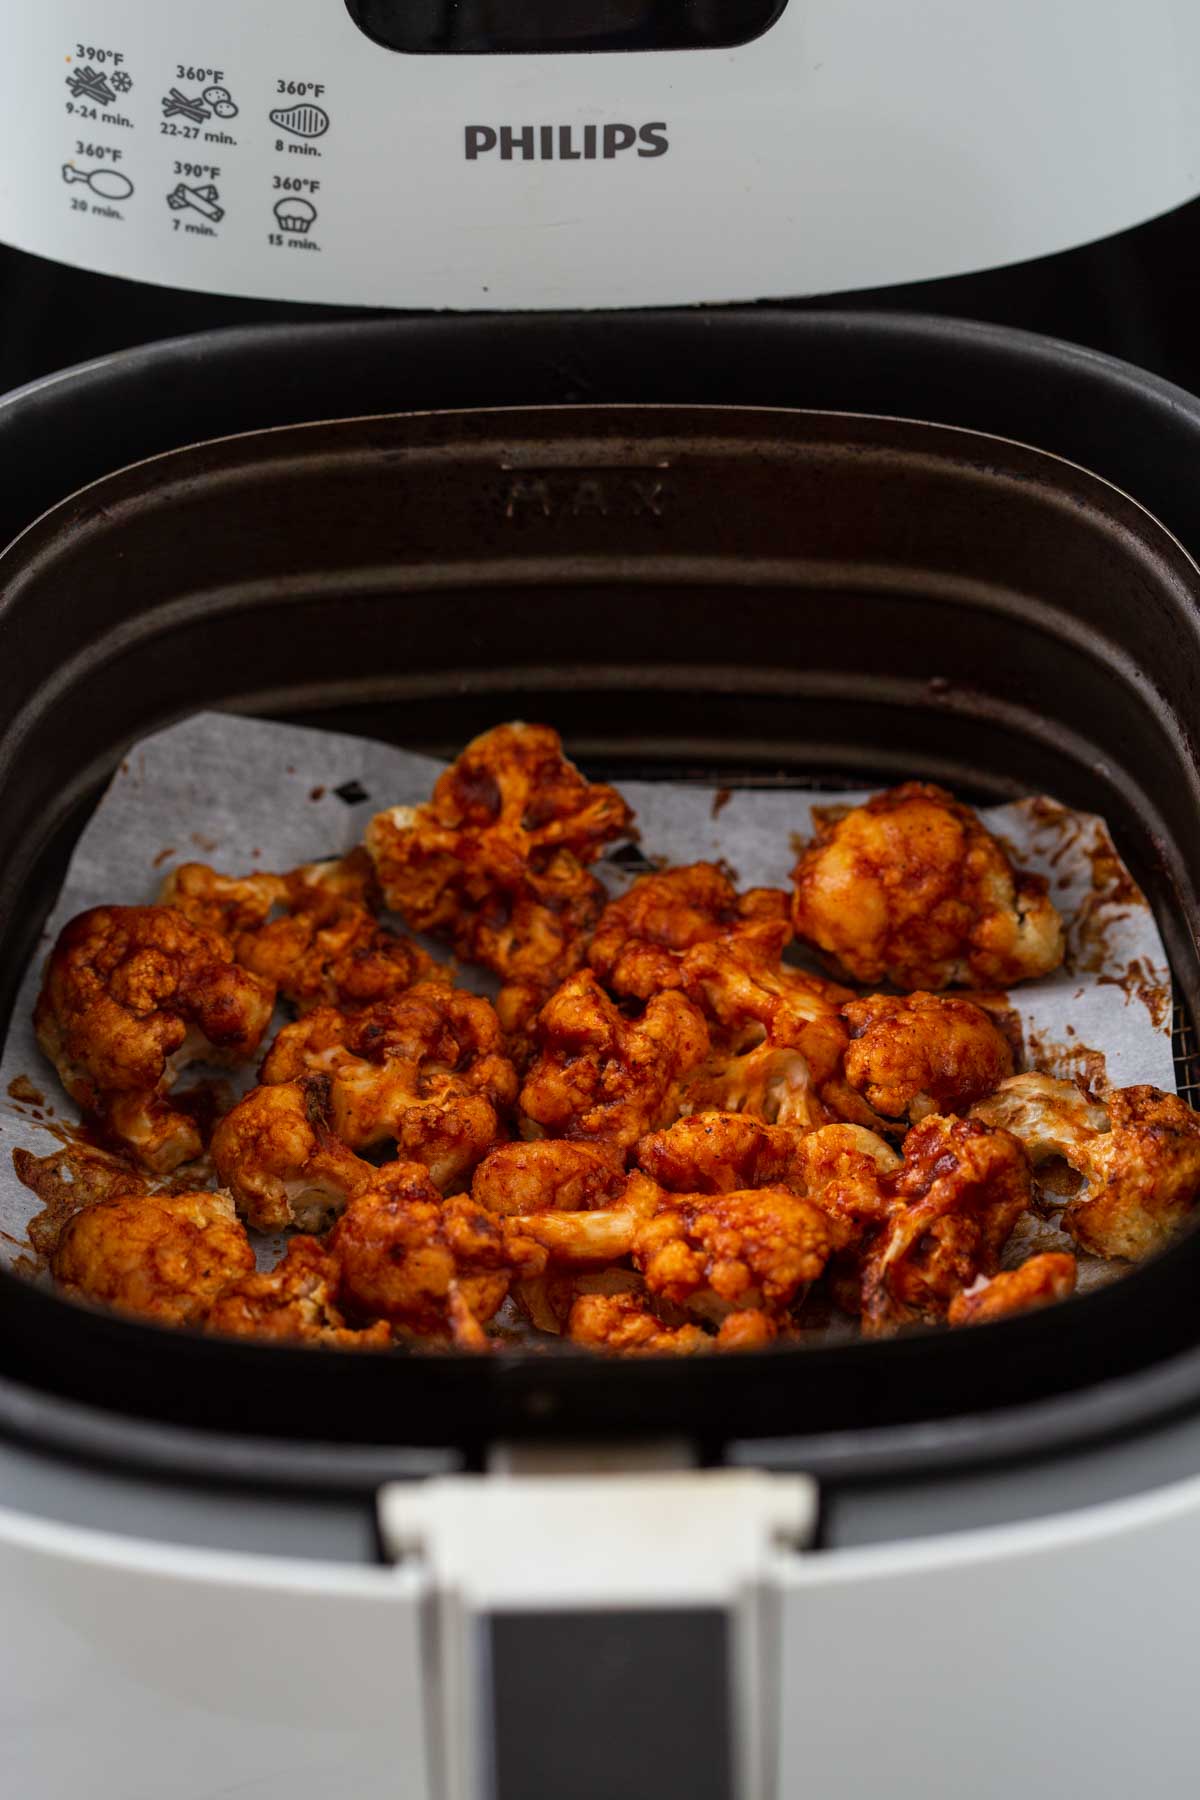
point(564, 143)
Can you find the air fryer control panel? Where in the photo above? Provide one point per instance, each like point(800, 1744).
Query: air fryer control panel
point(556, 153)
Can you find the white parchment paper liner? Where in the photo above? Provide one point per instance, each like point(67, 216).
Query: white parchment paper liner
point(246, 794)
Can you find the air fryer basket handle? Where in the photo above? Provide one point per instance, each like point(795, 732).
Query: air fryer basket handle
point(601, 1634)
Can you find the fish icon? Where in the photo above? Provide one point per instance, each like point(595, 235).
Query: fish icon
point(110, 184)
point(302, 121)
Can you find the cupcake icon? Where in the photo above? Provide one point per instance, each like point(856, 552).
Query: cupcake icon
point(295, 215)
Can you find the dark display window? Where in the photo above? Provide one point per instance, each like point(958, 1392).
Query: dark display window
point(533, 27)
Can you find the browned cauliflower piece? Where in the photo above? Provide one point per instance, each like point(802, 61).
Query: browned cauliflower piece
point(312, 932)
point(435, 1268)
point(840, 1167)
point(916, 1054)
point(711, 1254)
point(1137, 1154)
point(427, 1070)
point(1142, 1176)
point(163, 1256)
point(778, 1037)
point(958, 1198)
point(547, 1173)
point(606, 1078)
point(293, 1301)
point(624, 1325)
point(639, 944)
point(1038, 1282)
point(278, 1155)
point(497, 861)
point(131, 996)
point(911, 889)
point(1050, 1117)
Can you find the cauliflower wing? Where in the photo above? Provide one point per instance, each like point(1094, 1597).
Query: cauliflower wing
point(497, 860)
point(1142, 1176)
point(1052, 1118)
point(606, 1078)
point(1137, 1154)
point(432, 1267)
point(911, 889)
point(294, 1301)
point(958, 1197)
point(711, 1254)
point(624, 1325)
point(427, 1070)
point(916, 1054)
point(131, 996)
point(278, 1155)
point(840, 1167)
point(1039, 1282)
point(163, 1256)
point(639, 944)
point(778, 1035)
point(547, 1174)
point(312, 932)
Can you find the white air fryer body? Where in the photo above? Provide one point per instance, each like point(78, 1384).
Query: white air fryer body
point(854, 143)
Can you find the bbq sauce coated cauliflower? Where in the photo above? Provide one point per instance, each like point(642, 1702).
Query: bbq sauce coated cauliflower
point(957, 1199)
point(548, 1174)
point(1138, 1154)
point(711, 1254)
point(163, 1256)
point(1039, 1282)
point(427, 1070)
point(911, 889)
point(497, 860)
point(278, 1155)
point(437, 1268)
point(131, 996)
point(312, 932)
point(294, 1301)
point(640, 943)
point(603, 1077)
point(916, 1054)
point(625, 1325)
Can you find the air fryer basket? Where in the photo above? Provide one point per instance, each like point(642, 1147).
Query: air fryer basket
point(734, 594)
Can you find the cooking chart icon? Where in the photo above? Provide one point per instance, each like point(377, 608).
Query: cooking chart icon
point(295, 215)
point(218, 100)
point(200, 199)
point(302, 121)
point(89, 84)
point(110, 184)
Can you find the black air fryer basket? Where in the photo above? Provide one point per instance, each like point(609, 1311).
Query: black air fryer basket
point(730, 595)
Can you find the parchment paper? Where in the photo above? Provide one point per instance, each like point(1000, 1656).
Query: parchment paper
point(245, 794)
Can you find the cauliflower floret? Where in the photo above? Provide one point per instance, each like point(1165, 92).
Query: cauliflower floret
point(624, 1325)
point(294, 1301)
point(639, 944)
point(917, 1054)
point(840, 1167)
point(427, 1070)
point(1052, 1118)
point(497, 860)
point(436, 1268)
point(312, 932)
point(778, 1037)
point(278, 1155)
point(958, 1198)
point(1039, 1282)
point(131, 996)
point(1138, 1155)
point(748, 1250)
point(603, 1077)
point(548, 1173)
point(1142, 1176)
point(910, 888)
point(164, 1256)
